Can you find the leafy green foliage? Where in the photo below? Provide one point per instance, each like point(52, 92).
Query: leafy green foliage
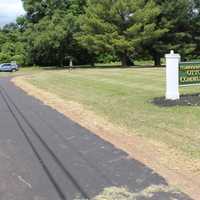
point(118, 26)
point(88, 31)
point(195, 25)
point(11, 45)
point(50, 30)
point(175, 20)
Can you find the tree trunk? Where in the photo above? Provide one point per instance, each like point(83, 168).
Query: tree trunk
point(157, 60)
point(92, 63)
point(124, 60)
point(61, 57)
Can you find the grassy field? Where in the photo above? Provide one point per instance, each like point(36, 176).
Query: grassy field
point(22, 71)
point(123, 96)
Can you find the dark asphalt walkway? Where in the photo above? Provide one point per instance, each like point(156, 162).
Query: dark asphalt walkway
point(46, 156)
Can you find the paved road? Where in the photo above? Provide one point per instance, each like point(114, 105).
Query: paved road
point(46, 156)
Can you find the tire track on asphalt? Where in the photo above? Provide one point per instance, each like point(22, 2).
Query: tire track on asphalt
point(59, 134)
point(15, 112)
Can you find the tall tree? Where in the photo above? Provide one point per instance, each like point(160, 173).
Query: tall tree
point(11, 45)
point(175, 19)
point(50, 30)
point(37, 9)
point(118, 26)
point(195, 26)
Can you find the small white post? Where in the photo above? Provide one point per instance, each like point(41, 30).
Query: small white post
point(172, 75)
point(71, 63)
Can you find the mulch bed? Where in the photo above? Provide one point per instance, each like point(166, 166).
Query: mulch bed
point(185, 100)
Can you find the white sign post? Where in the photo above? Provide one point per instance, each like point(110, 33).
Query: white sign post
point(71, 63)
point(172, 76)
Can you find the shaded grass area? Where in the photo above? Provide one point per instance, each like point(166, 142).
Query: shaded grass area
point(124, 97)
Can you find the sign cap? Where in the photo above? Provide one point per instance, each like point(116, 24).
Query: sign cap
point(172, 55)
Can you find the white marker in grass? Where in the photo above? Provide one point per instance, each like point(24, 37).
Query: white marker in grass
point(172, 75)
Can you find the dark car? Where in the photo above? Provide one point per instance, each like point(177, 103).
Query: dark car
point(8, 67)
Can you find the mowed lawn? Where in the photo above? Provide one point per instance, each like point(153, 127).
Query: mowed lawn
point(123, 96)
point(22, 71)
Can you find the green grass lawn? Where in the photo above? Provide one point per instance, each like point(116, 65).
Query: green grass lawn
point(123, 96)
point(22, 71)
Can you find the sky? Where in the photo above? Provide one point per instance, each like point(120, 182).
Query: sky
point(9, 10)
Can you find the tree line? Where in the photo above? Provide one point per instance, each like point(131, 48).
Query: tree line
point(88, 31)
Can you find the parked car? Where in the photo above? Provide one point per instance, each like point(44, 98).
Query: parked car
point(9, 67)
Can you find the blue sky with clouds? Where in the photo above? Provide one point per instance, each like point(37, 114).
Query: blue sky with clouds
point(9, 10)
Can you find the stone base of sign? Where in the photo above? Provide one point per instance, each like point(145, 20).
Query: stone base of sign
point(185, 100)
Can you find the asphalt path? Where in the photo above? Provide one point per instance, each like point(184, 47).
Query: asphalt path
point(46, 156)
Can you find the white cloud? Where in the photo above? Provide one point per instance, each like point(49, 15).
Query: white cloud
point(9, 10)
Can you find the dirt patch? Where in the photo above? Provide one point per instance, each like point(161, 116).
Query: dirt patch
point(175, 167)
point(185, 100)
